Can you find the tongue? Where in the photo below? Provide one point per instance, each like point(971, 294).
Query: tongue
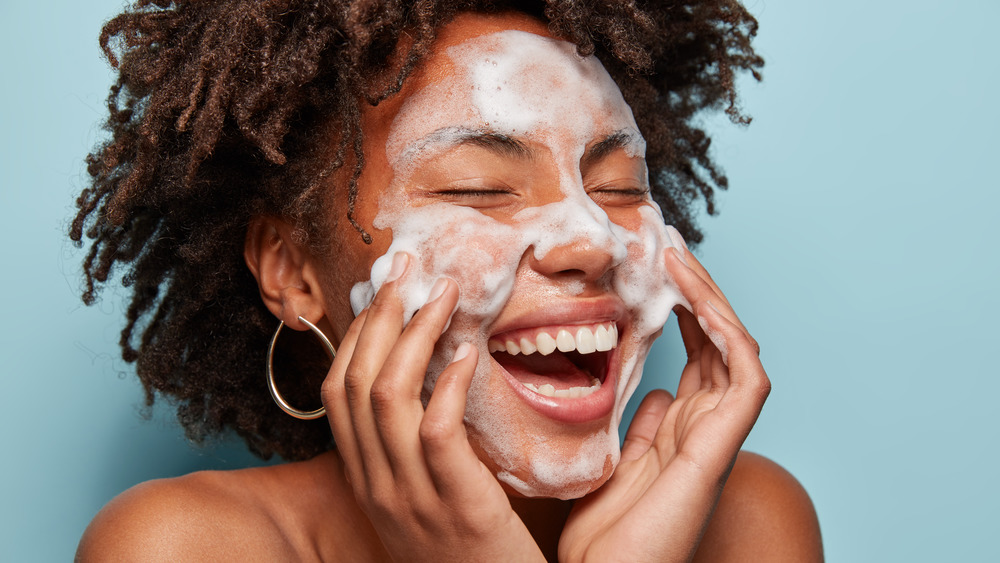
point(555, 369)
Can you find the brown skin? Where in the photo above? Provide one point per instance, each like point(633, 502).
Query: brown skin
point(209, 126)
point(395, 491)
point(266, 514)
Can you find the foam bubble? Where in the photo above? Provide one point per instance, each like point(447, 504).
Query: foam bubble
point(539, 90)
point(716, 337)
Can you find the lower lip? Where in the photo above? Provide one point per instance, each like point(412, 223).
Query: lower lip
point(571, 409)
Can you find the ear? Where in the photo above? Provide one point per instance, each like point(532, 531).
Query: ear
point(284, 270)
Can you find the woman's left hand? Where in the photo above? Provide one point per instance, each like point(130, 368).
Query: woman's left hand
point(678, 451)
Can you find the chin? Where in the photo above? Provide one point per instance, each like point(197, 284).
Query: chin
point(555, 482)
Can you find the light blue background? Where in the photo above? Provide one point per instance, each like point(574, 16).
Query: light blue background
point(857, 244)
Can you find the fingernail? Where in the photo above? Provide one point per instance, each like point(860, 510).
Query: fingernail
point(438, 289)
point(463, 351)
point(712, 305)
point(680, 255)
point(399, 262)
point(676, 238)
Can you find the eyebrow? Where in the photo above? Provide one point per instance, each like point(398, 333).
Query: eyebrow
point(447, 137)
point(498, 143)
point(607, 145)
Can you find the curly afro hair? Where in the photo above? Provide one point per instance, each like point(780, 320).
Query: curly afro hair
point(222, 111)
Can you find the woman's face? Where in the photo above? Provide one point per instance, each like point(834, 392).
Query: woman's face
point(513, 166)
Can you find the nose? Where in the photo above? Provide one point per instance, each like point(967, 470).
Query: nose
point(577, 241)
point(579, 259)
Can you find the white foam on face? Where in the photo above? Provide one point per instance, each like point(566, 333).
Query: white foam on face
point(575, 287)
point(538, 90)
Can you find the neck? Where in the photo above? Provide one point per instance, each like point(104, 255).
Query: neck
point(544, 518)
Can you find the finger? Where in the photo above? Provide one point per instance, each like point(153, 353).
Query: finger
point(749, 385)
point(692, 261)
point(379, 333)
point(691, 380)
point(395, 394)
point(714, 365)
point(335, 402)
point(697, 289)
point(691, 333)
point(645, 423)
point(724, 303)
point(452, 463)
point(694, 342)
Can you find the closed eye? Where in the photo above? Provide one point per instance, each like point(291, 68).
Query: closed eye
point(619, 195)
point(472, 192)
point(476, 196)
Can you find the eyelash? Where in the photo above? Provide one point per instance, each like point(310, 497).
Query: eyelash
point(636, 194)
point(607, 195)
point(473, 192)
point(623, 191)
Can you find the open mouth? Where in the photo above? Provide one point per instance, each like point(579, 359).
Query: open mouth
point(559, 361)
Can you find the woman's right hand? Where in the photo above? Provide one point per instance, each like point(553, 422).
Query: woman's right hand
point(412, 469)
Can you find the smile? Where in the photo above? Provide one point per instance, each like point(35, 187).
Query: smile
point(559, 367)
point(583, 339)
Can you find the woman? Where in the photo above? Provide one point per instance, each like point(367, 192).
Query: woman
point(460, 200)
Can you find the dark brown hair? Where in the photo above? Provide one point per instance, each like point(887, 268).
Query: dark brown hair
point(228, 109)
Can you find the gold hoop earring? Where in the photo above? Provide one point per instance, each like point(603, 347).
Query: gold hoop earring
point(278, 399)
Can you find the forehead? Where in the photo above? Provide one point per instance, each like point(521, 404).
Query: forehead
point(517, 82)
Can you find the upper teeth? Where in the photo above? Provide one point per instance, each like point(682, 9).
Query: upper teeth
point(582, 339)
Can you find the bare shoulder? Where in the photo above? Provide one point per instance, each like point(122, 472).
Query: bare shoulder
point(303, 511)
point(764, 514)
point(201, 516)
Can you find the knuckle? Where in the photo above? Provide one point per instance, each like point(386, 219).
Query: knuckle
point(383, 393)
point(762, 386)
point(427, 515)
point(427, 511)
point(435, 431)
point(330, 391)
point(355, 383)
point(379, 501)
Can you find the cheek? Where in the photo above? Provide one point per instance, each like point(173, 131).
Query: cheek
point(479, 253)
point(635, 220)
point(649, 293)
point(642, 280)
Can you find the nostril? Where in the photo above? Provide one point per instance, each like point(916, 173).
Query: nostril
point(580, 260)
